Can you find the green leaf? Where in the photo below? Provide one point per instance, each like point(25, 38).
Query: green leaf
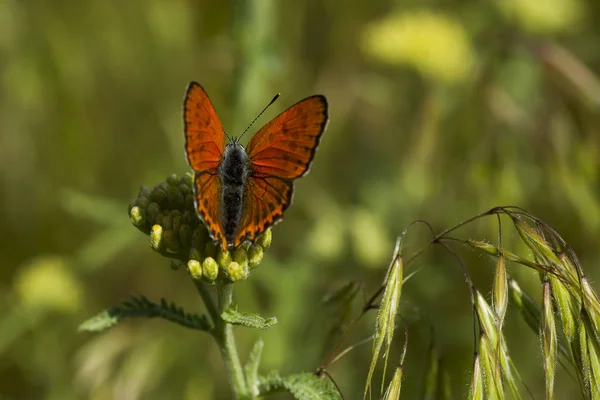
point(304, 386)
point(235, 317)
point(142, 307)
point(100, 322)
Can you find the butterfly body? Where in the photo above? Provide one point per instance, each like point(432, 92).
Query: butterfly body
point(239, 193)
point(234, 171)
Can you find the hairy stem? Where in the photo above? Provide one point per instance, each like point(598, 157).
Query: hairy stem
point(223, 334)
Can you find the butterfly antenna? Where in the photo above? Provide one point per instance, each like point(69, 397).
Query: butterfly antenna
point(261, 113)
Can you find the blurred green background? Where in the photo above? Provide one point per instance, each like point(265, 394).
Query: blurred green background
point(439, 110)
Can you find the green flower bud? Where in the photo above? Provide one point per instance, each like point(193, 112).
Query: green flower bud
point(171, 239)
point(210, 249)
point(255, 255)
point(185, 235)
point(223, 258)
point(144, 191)
point(199, 237)
point(189, 202)
point(236, 272)
point(177, 219)
point(156, 238)
point(174, 198)
point(210, 268)
point(184, 189)
point(137, 216)
point(240, 256)
point(191, 219)
point(187, 179)
point(164, 186)
point(172, 180)
point(264, 240)
point(142, 202)
point(195, 269)
point(152, 212)
point(195, 254)
point(167, 222)
point(158, 195)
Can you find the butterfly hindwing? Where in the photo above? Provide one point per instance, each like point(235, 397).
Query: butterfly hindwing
point(266, 198)
point(204, 134)
point(285, 146)
point(208, 195)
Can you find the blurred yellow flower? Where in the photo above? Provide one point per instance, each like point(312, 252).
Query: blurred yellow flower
point(46, 283)
point(372, 246)
point(548, 16)
point(433, 43)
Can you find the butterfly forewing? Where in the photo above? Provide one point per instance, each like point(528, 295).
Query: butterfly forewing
point(285, 147)
point(204, 134)
point(279, 152)
point(204, 144)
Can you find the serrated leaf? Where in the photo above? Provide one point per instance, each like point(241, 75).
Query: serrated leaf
point(100, 322)
point(235, 317)
point(303, 386)
point(141, 307)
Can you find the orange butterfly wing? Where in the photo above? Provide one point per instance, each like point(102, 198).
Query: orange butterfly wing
point(280, 152)
point(204, 145)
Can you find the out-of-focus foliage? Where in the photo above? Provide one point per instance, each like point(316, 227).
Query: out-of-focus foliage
point(439, 110)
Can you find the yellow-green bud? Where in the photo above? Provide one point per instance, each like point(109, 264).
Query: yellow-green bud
point(137, 216)
point(156, 237)
point(210, 268)
point(185, 235)
point(173, 180)
point(264, 240)
point(255, 255)
point(195, 269)
point(172, 240)
point(240, 256)
point(195, 254)
point(223, 258)
point(236, 272)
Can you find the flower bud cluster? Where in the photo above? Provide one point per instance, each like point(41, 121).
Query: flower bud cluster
point(167, 214)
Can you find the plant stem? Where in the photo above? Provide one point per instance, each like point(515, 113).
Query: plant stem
point(223, 334)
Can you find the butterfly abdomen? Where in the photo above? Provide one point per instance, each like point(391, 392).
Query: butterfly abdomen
point(234, 172)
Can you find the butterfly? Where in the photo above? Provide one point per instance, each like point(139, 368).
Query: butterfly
point(239, 193)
